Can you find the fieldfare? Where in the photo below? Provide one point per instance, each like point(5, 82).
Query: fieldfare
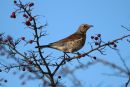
point(71, 43)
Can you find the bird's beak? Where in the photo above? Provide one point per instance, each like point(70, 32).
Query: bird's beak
point(91, 25)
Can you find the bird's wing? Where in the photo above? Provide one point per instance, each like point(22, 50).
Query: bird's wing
point(70, 38)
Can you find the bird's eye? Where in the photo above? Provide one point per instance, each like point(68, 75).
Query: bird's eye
point(85, 26)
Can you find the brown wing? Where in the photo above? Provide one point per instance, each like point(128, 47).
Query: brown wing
point(69, 38)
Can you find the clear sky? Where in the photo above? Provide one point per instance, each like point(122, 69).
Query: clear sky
point(64, 17)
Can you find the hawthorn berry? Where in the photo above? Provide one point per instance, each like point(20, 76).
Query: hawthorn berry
point(25, 15)
point(92, 37)
point(96, 43)
point(5, 81)
point(23, 38)
point(94, 57)
point(99, 35)
point(15, 1)
point(28, 23)
point(59, 77)
point(31, 41)
point(31, 4)
point(115, 45)
point(13, 15)
point(96, 38)
point(23, 69)
point(30, 19)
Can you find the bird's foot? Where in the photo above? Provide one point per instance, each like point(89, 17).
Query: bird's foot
point(66, 56)
point(77, 53)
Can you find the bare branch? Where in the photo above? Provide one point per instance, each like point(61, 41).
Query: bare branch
point(125, 28)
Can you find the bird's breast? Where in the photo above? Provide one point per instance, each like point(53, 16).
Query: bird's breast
point(75, 45)
point(70, 44)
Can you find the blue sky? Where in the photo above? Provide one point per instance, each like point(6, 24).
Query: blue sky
point(64, 17)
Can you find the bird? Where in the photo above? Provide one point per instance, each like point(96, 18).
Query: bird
point(72, 43)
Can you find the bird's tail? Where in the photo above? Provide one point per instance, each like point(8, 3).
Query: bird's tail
point(43, 46)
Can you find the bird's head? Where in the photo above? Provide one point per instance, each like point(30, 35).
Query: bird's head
point(83, 28)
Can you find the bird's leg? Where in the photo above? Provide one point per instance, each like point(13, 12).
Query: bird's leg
point(77, 53)
point(67, 56)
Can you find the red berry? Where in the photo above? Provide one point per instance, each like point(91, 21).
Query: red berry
point(24, 15)
point(94, 57)
point(115, 45)
point(96, 43)
point(23, 69)
point(92, 37)
point(31, 41)
point(96, 38)
point(112, 43)
point(0, 70)
point(23, 38)
point(31, 4)
point(99, 35)
point(13, 15)
point(28, 23)
point(30, 62)
point(59, 77)
point(15, 1)
point(5, 81)
point(1, 35)
point(30, 19)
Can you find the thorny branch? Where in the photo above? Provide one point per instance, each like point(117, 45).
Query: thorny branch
point(97, 48)
point(127, 83)
point(125, 28)
point(36, 62)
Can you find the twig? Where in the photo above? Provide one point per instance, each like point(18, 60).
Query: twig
point(95, 49)
point(127, 83)
point(114, 66)
point(123, 61)
point(125, 28)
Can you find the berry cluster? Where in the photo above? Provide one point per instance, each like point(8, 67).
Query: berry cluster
point(30, 41)
point(13, 15)
point(5, 40)
point(113, 44)
point(29, 19)
point(26, 15)
point(96, 39)
point(3, 80)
